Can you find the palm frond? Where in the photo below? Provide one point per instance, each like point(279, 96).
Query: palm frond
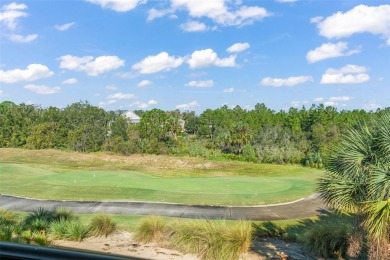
point(378, 220)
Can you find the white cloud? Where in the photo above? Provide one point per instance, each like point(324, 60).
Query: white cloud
point(343, 98)
point(349, 74)
point(217, 11)
point(318, 99)
point(69, 81)
point(360, 19)
point(143, 105)
point(89, 65)
point(201, 84)
point(208, 57)
point(228, 90)
point(144, 83)
point(157, 63)
point(118, 5)
point(119, 96)
point(289, 82)
point(1, 93)
point(329, 103)
point(11, 13)
point(316, 19)
point(329, 50)
point(33, 72)
point(42, 89)
point(155, 13)
point(193, 26)
point(295, 103)
point(238, 47)
point(22, 39)
point(188, 106)
point(371, 106)
point(64, 27)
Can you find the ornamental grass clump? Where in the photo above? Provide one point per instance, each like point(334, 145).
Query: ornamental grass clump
point(151, 229)
point(102, 225)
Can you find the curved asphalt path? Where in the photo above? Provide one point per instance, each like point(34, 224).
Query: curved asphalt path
point(308, 207)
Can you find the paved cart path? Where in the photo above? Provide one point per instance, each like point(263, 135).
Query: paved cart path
point(307, 207)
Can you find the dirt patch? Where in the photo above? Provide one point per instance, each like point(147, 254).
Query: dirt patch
point(122, 243)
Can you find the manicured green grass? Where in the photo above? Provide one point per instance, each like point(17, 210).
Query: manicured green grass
point(231, 183)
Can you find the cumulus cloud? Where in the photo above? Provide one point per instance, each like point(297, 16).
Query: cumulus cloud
point(11, 14)
point(318, 99)
point(349, 74)
point(329, 50)
point(219, 12)
point(338, 99)
point(70, 81)
point(144, 105)
point(238, 47)
point(193, 26)
point(188, 106)
point(144, 83)
point(157, 63)
point(118, 5)
point(228, 90)
point(42, 89)
point(21, 38)
point(33, 72)
point(155, 13)
point(295, 103)
point(288, 82)
point(201, 84)
point(64, 27)
point(90, 65)
point(207, 57)
point(119, 96)
point(329, 103)
point(360, 19)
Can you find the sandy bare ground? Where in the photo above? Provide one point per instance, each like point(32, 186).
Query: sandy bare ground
point(122, 243)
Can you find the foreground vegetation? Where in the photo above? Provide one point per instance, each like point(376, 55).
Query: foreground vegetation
point(55, 174)
point(209, 239)
point(299, 136)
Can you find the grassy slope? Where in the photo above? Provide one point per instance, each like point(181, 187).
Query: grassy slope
point(68, 175)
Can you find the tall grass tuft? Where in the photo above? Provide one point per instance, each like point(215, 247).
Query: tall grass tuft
point(205, 238)
point(151, 229)
point(75, 231)
point(102, 224)
point(58, 228)
point(63, 213)
point(327, 242)
point(7, 217)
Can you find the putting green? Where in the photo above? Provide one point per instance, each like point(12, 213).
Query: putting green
point(35, 181)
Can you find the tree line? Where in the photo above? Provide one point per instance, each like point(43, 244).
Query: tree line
point(260, 135)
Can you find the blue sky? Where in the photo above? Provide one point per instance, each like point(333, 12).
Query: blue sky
point(194, 55)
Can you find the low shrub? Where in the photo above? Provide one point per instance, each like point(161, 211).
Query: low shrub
point(7, 217)
point(102, 224)
point(63, 213)
point(151, 229)
point(327, 242)
point(76, 231)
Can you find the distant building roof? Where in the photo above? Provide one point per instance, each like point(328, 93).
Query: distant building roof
point(132, 117)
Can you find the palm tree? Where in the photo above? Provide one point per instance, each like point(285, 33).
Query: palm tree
point(358, 178)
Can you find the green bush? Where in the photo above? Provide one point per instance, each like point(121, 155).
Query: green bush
point(63, 213)
point(58, 228)
point(75, 231)
point(38, 219)
point(7, 217)
point(102, 224)
point(327, 242)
